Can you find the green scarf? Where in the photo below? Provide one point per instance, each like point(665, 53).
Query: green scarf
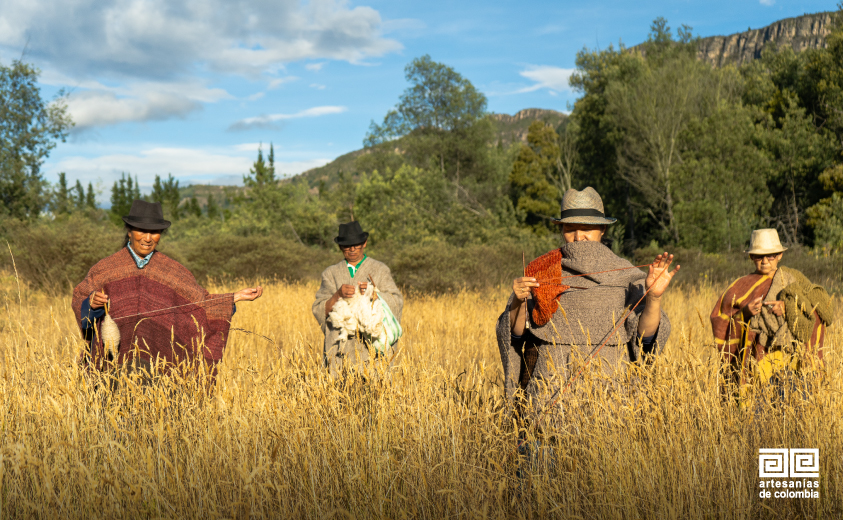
point(353, 268)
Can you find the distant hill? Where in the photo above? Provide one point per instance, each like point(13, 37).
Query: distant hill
point(508, 129)
point(201, 192)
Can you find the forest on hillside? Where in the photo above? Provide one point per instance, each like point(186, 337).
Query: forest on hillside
point(684, 155)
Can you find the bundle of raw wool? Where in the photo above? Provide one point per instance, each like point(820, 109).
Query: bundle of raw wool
point(360, 314)
point(110, 335)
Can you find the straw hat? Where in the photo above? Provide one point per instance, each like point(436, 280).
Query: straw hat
point(765, 242)
point(583, 207)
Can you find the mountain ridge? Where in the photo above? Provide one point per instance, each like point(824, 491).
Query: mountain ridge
point(508, 129)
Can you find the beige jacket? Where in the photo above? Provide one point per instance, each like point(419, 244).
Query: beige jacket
point(351, 353)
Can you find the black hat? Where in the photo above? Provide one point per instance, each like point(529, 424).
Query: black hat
point(351, 234)
point(147, 216)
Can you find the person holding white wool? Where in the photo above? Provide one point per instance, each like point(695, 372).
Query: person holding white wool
point(343, 299)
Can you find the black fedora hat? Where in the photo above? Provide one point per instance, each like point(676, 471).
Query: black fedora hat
point(351, 234)
point(148, 216)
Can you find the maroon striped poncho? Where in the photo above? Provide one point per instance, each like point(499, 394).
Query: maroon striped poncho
point(161, 311)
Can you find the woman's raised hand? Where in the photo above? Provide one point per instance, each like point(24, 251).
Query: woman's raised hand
point(247, 295)
point(523, 286)
point(658, 276)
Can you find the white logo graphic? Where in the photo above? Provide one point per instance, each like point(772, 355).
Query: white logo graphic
point(793, 463)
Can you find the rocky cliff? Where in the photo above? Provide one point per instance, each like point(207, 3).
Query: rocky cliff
point(802, 32)
point(511, 128)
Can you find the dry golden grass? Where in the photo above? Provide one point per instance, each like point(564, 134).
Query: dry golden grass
point(278, 439)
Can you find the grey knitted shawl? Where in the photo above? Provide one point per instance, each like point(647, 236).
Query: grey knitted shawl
point(585, 318)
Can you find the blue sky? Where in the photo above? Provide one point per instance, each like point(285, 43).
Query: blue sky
point(191, 88)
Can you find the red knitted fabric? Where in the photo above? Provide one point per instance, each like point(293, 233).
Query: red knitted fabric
point(548, 270)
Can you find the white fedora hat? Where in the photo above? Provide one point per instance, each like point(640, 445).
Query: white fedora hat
point(583, 207)
point(765, 242)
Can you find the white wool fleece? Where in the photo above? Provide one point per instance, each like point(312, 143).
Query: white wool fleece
point(359, 314)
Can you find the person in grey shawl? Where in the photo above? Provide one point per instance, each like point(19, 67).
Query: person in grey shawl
point(338, 281)
point(548, 330)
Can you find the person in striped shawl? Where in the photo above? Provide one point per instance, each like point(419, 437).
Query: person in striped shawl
point(770, 323)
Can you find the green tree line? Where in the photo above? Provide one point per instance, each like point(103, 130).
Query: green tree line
point(683, 154)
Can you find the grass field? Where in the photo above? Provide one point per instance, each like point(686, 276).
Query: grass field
point(436, 440)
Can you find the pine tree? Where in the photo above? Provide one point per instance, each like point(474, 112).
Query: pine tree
point(61, 203)
point(122, 195)
point(167, 194)
point(212, 208)
point(193, 207)
point(172, 196)
point(90, 197)
point(79, 197)
point(262, 174)
point(271, 161)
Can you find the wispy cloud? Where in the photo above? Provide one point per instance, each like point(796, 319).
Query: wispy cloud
point(767, 2)
point(317, 86)
point(548, 77)
point(277, 82)
point(550, 29)
point(102, 105)
point(314, 67)
point(268, 121)
point(189, 165)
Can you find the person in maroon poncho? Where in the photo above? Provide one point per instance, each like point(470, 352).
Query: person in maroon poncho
point(162, 313)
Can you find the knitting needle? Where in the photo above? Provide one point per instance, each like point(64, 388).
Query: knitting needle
point(524, 265)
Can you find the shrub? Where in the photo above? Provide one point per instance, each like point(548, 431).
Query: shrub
point(55, 256)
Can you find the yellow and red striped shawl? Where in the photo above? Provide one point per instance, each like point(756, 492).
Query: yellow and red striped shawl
point(734, 337)
point(142, 304)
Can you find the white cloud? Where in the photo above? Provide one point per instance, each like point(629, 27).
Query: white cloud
point(256, 96)
point(277, 82)
point(548, 77)
point(317, 86)
point(92, 103)
point(158, 39)
point(247, 147)
point(266, 121)
point(188, 165)
point(96, 108)
point(767, 2)
point(315, 67)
